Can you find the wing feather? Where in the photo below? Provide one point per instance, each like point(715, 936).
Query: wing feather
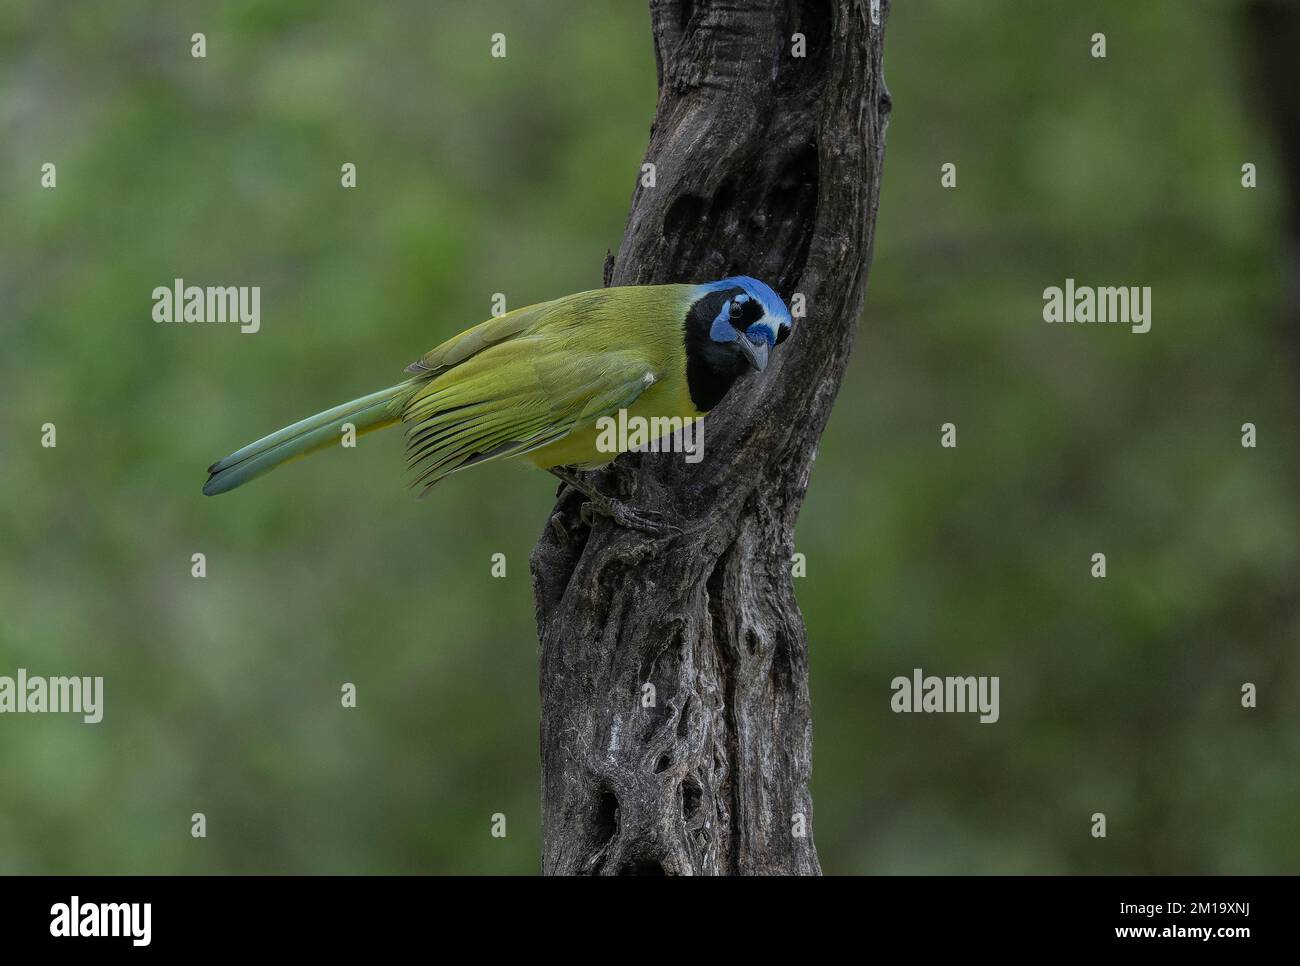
point(474, 340)
point(502, 404)
point(523, 381)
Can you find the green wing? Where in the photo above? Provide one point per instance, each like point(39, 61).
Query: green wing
point(474, 340)
point(501, 390)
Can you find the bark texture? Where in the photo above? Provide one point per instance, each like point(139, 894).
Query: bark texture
point(769, 165)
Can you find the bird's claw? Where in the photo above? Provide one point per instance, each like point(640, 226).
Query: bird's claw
point(561, 532)
point(650, 522)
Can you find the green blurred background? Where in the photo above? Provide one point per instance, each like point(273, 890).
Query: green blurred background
point(480, 175)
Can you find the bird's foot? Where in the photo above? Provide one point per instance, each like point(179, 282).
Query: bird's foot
point(649, 522)
point(561, 531)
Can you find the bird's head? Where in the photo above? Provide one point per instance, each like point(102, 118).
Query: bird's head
point(731, 327)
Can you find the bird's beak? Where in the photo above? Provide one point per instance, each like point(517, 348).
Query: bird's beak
point(756, 354)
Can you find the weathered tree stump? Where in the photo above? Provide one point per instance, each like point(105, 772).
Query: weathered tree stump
point(766, 164)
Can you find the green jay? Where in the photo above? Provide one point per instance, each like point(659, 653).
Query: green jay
point(532, 383)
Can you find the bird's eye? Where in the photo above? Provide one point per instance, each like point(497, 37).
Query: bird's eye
point(782, 332)
point(736, 308)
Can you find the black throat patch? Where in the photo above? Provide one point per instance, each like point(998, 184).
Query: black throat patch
point(711, 367)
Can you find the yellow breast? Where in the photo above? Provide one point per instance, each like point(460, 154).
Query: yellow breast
point(661, 410)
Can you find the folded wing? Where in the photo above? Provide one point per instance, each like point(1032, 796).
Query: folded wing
point(513, 385)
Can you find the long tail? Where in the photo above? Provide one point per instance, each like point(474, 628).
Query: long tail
point(375, 411)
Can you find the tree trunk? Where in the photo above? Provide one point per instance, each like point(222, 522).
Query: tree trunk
point(676, 730)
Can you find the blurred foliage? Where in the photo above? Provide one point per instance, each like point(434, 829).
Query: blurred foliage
point(479, 176)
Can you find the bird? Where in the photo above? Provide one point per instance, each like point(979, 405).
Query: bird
point(533, 383)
